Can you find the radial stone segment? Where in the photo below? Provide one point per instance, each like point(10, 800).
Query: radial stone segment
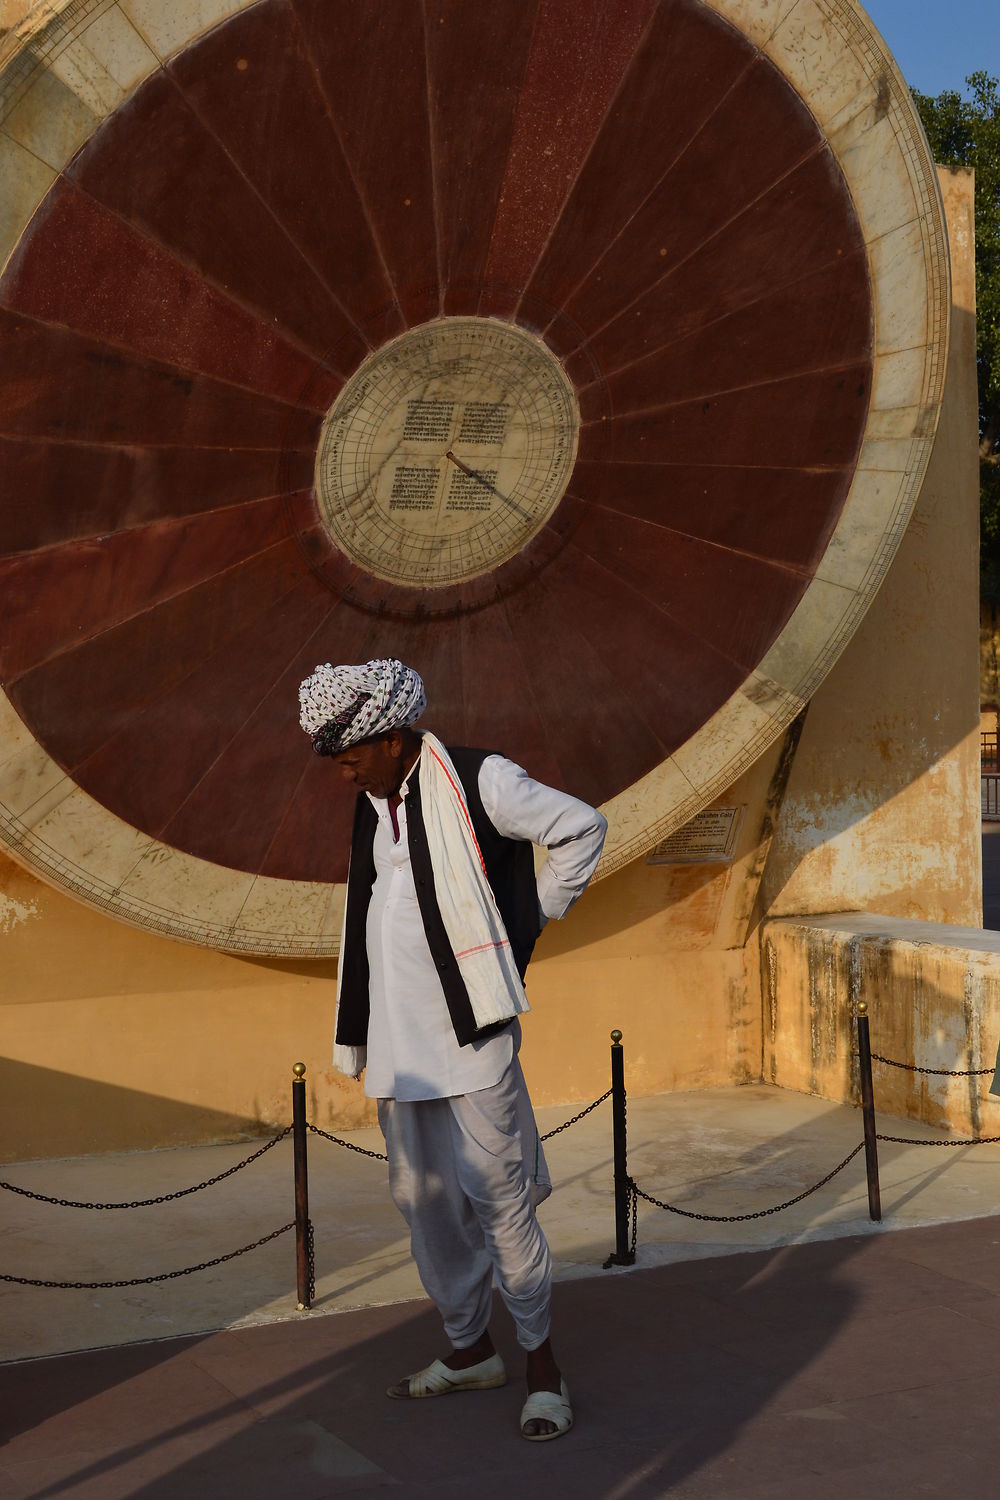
point(588, 357)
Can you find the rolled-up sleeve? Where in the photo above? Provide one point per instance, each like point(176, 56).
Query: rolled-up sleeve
point(571, 831)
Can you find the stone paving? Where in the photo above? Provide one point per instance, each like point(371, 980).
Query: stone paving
point(845, 1368)
point(806, 1353)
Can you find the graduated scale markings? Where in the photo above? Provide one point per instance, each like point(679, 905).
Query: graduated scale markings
point(447, 451)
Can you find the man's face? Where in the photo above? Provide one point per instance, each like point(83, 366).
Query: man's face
point(374, 766)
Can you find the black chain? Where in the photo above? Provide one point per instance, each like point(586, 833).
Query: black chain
point(635, 1216)
point(761, 1213)
point(910, 1140)
point(633, 1190)
point(628, 1259)
point(205, 1265)
point(567, 1123)
point(163, 1197)
point(311, 1260)
point(381, 1156)
point(347, 1145)
point(891, 1062)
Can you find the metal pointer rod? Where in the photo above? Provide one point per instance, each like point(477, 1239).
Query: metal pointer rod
point(481, 479)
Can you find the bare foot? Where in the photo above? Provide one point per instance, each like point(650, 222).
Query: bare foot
point(543, 1374)
point(458, 1359)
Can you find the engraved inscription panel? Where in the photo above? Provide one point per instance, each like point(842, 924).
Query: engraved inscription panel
point(708, 839)
point(447, 451)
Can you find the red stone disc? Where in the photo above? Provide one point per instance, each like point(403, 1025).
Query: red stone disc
point(636, 183)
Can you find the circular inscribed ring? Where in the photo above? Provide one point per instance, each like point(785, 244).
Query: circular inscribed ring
point(585, 356)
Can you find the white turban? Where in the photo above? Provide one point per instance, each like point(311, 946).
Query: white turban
point(339, 706)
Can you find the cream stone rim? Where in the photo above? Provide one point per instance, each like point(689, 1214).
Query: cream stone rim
point(73, 62)
point(446, 378)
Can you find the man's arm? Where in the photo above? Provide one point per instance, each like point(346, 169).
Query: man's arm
point(573, 832)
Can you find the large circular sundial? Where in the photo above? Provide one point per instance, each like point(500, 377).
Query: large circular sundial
point(586, 356)
point(447, 451)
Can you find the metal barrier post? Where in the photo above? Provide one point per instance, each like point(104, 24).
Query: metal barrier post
point(623, 1255)
point(868, 1111)
point(301, 1185)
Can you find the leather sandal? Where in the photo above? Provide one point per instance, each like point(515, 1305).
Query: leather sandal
point(546, 1406)
point(440, 1380)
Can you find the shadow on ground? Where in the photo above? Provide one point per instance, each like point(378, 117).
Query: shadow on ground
point(812, 1369)
point(667, 1367)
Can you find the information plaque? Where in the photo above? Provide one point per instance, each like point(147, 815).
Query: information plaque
point(709, 839)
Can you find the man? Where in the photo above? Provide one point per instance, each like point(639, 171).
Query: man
point(443, 910)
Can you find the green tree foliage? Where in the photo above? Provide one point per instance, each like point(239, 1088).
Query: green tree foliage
point(965, 132)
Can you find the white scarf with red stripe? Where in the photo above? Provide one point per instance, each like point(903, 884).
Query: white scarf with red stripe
point(468, 909)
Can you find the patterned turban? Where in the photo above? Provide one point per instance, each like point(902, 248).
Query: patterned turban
point(340, 706)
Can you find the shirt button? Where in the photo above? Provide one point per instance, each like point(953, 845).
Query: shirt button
point(442, 963)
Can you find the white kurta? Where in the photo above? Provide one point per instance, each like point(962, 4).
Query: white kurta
point(413, 1052)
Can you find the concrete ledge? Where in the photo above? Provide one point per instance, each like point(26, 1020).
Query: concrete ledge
point(933, 993)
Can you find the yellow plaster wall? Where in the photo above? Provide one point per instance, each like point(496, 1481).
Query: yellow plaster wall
point(115, 1039)
point(933, 996)
point(882, 812)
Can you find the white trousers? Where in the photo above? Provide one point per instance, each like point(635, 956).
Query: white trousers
point(466, 1172)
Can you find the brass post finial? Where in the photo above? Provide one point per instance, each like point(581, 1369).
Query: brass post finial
point(616, 1038)
point(862, 1007)
point(299, 1071)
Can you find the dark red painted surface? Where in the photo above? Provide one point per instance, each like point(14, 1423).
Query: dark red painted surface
point(92, 489)
point(80, 698)
point(723, 170)
point(579, 56)
point(68, 387)
point(85, 268)
point(485, 48)
point(780, 515)
point(688, 61)
point(157, 165)
point(289, 150)
point(311, 177)
point(229, 687)
point(371, 60)
point(59, 597)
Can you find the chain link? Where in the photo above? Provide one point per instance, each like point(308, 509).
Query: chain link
point(761, 1213)
point(635, 1216)
point(347, 1145)
point(633, 1190)
point(632, 1208)
point(910, 1140)
point(311, 1260)
point(628, 1258)
point(891, 1062)
point(381, 1156)
point(163, 1197)
point(96, 1286)
point(567, 1123)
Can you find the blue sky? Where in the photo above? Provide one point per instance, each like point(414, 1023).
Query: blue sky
point(938, 43)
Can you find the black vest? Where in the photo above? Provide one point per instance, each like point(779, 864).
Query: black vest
point(510, 869)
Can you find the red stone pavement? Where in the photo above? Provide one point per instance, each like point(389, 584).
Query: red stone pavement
point(847, 1368)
